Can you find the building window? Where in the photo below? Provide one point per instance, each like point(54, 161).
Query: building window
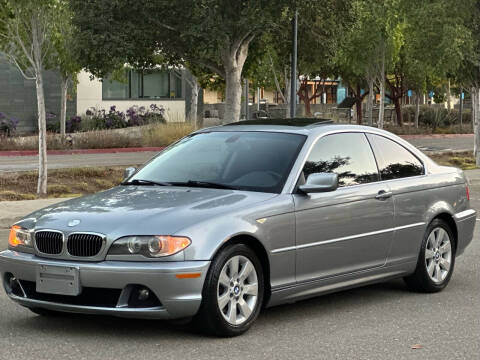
point(154, 84)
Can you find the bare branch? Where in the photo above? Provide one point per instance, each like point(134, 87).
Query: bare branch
point(275, 79)
point(19, 40)
point(209, 65)
point(14, 61)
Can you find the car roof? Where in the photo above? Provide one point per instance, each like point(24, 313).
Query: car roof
point(294, 126)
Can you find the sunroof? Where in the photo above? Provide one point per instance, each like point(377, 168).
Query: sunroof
point(298, 122)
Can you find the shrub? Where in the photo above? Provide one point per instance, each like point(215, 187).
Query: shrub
point(434, 117)
point(8, 125)
point(137, 116)
point(113, 119)
point(73, 124)
point(164, 135)
point(53, 123)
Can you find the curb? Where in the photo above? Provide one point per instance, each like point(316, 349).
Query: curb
point(436, 136)
point(446, 151)
point(80, 151)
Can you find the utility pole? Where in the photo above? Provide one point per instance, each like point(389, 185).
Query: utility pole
point(293, 76)
point(258, 99)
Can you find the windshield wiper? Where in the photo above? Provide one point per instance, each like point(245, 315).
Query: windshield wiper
point(205, 184)
point(146, 182)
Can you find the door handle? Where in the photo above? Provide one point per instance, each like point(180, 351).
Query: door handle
point(383, 194)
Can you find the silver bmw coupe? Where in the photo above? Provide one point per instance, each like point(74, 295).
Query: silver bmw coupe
point(234, 218)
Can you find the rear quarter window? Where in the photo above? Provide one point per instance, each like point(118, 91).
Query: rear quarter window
point(394, 161)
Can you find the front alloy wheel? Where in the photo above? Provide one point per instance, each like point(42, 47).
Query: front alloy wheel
point(233, 292)
point(237, 290)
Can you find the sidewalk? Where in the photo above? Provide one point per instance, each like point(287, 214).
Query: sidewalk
point(11, 211)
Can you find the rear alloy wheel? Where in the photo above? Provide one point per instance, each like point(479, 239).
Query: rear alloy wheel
point(233, 292)
point(436, 260)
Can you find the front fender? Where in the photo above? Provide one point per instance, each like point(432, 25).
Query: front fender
point(271, 223)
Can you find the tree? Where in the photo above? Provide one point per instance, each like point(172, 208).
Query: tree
point(214, 34)
point(436, 40)
point(63, 59)
point(368, 50)
point(25, 38)
point(468, 74)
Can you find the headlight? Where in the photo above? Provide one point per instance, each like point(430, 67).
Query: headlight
point(150, 246)
point(19, 236)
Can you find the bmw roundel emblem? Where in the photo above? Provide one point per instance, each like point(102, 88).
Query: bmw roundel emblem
point(74, 222)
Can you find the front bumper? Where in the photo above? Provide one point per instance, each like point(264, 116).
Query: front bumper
point(178, 297)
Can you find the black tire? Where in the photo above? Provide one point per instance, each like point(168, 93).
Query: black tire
point(43, 312)
point(420, 280)
point(209, 318)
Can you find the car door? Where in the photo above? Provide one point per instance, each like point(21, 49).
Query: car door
point(349, 229)
point(404, 173)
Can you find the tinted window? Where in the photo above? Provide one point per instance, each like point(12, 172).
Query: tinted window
point(256, 161)
point(394, 161)
point(349, 155)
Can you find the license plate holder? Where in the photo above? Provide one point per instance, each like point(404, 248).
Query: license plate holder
point(58, 280)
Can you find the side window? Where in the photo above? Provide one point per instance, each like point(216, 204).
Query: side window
point(394, 161)
point(348, 154)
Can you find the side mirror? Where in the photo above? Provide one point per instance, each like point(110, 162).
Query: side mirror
point(320, 182)
point(129, 172)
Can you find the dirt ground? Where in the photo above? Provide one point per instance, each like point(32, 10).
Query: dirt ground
point(61, 182)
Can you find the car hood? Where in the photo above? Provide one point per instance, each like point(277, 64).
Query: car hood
point(142, 210)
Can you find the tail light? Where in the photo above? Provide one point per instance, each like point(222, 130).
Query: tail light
point(467, 192)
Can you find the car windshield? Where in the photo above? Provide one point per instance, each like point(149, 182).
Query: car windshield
point(253, 161)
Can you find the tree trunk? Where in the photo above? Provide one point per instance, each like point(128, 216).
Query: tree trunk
point(398, 110)
point(42, 137)
point(358, 109)
point(287, 93)
point(233, 95)
point(381, 111)
point(472, 95)
point(449, 94)
point(371, 97)
point(417, 108)
point(233, 61)
point(42, 117)
point(192, 115)
point(476, 95)
point(306, 100)
point(63, 108)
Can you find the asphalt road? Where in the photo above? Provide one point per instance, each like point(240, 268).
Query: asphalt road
point(456, 143)
point(24, 163)
point(376, 322)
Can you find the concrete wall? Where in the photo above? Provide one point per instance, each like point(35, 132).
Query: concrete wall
point(89, 94)
point(18, 96)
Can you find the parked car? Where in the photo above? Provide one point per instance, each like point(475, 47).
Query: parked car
point(234, 218)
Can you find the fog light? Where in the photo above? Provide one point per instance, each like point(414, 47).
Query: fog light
point(143, 294)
